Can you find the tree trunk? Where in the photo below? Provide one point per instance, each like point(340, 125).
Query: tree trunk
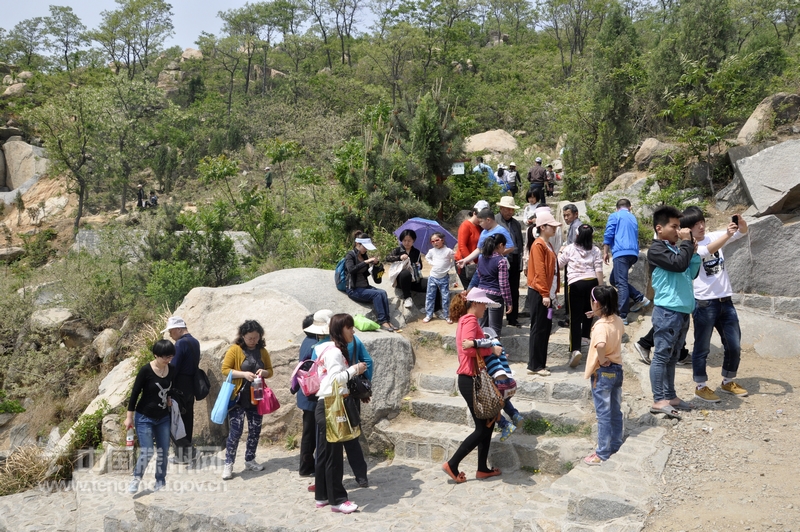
point(81, 194)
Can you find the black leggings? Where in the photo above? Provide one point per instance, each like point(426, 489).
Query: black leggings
point(481, 437)
point(579, 295)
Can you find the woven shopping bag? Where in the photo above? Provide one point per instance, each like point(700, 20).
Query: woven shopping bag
point(487, 401)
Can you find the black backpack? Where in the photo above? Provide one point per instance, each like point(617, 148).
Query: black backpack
point(201, 385)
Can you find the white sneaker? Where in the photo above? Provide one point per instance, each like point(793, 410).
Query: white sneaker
point(575, 359)
point(640, 305)
point(347, 507)
point(159, 486)
point(408, 303)
point(227, 472)
point(133, 487)
point(251, 465)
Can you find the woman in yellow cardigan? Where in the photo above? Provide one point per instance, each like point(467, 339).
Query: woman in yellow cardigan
point(246, 359)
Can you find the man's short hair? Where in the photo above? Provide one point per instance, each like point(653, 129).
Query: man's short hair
point(624, 202)
point(664, 214)
point(480, 159)
point(571, 207)
point(486, 213)
point(692, 215)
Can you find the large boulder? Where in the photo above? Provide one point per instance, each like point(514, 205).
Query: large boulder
point(49, 319)
point(17, 89)
point(771, 177)
point(23, 162)
point(759, 263)
point(191, 54)
point(10, 254)
point(772, 111)
point(496, 140)
point(630, 186)
point(76, 333)
point(279, 301)
point(106, 343)
point(652, 152)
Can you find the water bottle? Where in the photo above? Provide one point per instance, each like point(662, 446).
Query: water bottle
point(550, 313)
point(257, 389)
point(129, 439)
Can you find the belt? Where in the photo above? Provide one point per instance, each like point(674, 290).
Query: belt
point(720, 299)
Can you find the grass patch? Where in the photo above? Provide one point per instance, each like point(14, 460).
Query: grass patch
point(530, 469)
point(568, 466)
point(541, 426)
point(25, 468)
point(9, 406)
point(291, 442)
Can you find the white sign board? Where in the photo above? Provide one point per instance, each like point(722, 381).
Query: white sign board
point(458, 169)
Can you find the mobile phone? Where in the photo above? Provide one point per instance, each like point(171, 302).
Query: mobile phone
point(735, 219)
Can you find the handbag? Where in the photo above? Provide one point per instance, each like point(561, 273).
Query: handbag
point(220, 410)
point(486, 400)
point(337, 425)
point(353, 409)
point(269, 403)
point(309, 380)
point(360, 387)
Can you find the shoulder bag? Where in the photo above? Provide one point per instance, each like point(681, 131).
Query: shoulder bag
point(220, 411)
point(487, 401)
point(337, 425)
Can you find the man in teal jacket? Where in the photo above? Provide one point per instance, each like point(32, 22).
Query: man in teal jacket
point(673, 267)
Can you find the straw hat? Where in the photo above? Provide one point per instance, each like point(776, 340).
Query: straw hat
point(508, 202)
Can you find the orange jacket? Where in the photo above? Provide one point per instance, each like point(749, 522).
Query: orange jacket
point(542, 268)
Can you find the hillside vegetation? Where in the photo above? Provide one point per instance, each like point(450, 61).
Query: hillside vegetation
point(359, 121)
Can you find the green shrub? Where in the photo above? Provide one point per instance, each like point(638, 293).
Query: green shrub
point(169, 282)
point(9, 406)
point(38, 249)
point(88, 430)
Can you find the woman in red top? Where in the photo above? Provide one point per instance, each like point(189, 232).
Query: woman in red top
point(468, 234)
point(468, 311)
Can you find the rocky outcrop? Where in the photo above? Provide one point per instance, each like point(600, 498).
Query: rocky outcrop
point(759, 264)
point(652, 152)
point(771, 178)
point(106, 343)
point(23, 162)
point(76, 333)
point(279, 301)
point(773, 110)
point(628, 185)
point(49, 319)
point(17, 89)
point(190, 54)
point(496, 140)
point(11, 254)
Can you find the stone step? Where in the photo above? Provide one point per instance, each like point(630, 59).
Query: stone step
point(452, 409)
point(564, 385)
point(430, 442)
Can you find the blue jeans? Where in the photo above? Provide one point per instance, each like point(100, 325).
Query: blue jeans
point(376, 296)
point(669, 333)
point(153, 436)
point(619, 280)
point(509, 409)
point(443, 286)
point(607, 395)
point(710, 315)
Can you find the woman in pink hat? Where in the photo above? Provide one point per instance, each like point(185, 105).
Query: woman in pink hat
point(542, 277)
point(468, 339)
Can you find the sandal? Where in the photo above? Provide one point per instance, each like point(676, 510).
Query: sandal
point(669, 411)
point(449, 321)
point(486, 474)
point(461, 478)
point(426, 319)
point(387, 327)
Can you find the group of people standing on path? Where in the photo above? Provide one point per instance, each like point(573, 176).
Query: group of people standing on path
point(509, 179)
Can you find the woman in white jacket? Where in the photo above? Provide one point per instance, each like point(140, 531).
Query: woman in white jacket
point(329, 468)
point(584, 264)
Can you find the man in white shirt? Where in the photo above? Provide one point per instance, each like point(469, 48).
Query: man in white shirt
point(714, 308)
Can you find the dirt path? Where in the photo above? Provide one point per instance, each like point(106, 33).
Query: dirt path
point(732, 465)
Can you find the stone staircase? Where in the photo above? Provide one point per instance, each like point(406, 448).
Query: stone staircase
point(435, 419)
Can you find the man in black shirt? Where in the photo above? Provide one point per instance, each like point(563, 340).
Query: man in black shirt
point(186, 362)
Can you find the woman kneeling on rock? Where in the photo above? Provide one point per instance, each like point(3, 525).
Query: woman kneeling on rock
point(468, 311)
point(246, 359)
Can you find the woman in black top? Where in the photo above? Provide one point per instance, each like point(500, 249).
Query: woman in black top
point(151, 404)
point(408, 279)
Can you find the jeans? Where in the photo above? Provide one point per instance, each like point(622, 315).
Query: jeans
point(236, 428)
point(509, 409)
point(619, 280)
point(153, 437)
point(669, 333)
point(710, 315)
point(376, 296)
point(607, 395)
point(493, 317)
point(441, 285)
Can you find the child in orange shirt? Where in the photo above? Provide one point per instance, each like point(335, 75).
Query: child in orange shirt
point(604, 367)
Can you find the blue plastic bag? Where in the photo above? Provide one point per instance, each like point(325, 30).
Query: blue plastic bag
point(220, 411)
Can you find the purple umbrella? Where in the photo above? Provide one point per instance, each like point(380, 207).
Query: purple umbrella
point(424, 229)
